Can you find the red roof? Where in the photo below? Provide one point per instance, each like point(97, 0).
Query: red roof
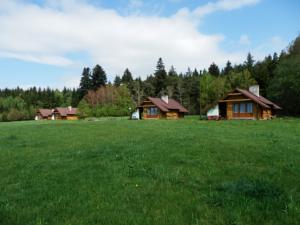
point(45, 112)
point(165, 107)
point(258, 99)
point(66, 111)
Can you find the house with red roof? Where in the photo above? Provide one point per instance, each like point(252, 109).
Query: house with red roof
point(246, 104)
point(68, 113)
point(161, 108)
point(60, 113)
point(43, 114)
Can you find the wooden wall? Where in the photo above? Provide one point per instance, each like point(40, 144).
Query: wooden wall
point(232, 115)
point(161, 115)
point(173, 115)
point(72, 117)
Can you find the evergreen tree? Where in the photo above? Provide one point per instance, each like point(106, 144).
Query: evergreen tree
point(172, 72)
point(214, 70)
point(127, 77)
point(249, 63)
point(85, 82)
point(228, 68)
point(98, 77)
point(117, 81)
point(195, 73)
point(160, 78)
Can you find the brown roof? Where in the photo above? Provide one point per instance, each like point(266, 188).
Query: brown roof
point(258, 99)
point(45, 112)
point(165, 107)
point(66, 111)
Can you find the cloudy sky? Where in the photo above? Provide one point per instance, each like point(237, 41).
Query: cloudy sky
point(48, 42)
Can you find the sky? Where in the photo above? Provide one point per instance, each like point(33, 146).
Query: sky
point(47, 43)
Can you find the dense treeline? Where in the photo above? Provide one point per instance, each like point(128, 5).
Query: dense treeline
point(20, 104)
point(277, 75)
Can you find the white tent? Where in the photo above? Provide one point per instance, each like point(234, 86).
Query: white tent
point(135, 115)
point(213, 113)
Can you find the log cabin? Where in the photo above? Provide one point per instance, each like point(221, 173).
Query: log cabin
point(43, 114)
point(244, 104)
point(161, 108)
point(60, 113)
point(68, 113)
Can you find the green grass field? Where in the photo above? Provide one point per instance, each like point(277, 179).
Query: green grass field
point(182, 172)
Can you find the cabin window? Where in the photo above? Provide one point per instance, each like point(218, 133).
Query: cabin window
point(242, 108)
point(152, 111)
point(236, 108)
point(249, 108)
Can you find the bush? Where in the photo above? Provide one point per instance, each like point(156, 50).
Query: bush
point(107, 101)
point(14, 115)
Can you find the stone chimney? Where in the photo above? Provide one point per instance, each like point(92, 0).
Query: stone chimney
point(70, 108)
point(254, 89)
point(165, 98)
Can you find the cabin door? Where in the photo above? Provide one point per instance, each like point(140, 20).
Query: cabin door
point(223, 110)
point(141, 109)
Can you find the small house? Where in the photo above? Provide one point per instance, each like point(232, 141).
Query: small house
point(246, 104)
point(43, 114)
point(68, 113)
point(161, 108)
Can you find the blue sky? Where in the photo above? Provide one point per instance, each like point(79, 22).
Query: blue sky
point(48, 42)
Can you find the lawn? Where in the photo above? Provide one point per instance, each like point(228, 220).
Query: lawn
point(113, 172)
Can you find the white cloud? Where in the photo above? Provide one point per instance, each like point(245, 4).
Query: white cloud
point(222, 5)
point(244, 40)
point(46, 34)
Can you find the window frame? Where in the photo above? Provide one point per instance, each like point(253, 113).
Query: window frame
point(152, 111)
point(243, 106)
point(236, 108)
point(247, 107)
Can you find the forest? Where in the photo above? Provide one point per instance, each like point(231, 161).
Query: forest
point(278, 76)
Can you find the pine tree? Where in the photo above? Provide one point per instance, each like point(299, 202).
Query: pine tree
point(85, 82)
point(98, 77)
point(228, 68)
point(249, 62)
point(160, 78)
point(196, 73)
point(117, 81)
point(214, 70)
point(127, 77)
point(172, 72)
point(128, 80)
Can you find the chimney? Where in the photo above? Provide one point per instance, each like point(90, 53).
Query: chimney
point(165, 98)
point(254, 89)
point(70, 108)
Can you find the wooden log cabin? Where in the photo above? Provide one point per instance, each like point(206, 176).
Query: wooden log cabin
point(244, 104)
point(43, 114)
point(68, 113)
point(60, 113)
point(161, 108)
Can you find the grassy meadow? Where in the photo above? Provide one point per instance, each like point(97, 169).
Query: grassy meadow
point(184, 172)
